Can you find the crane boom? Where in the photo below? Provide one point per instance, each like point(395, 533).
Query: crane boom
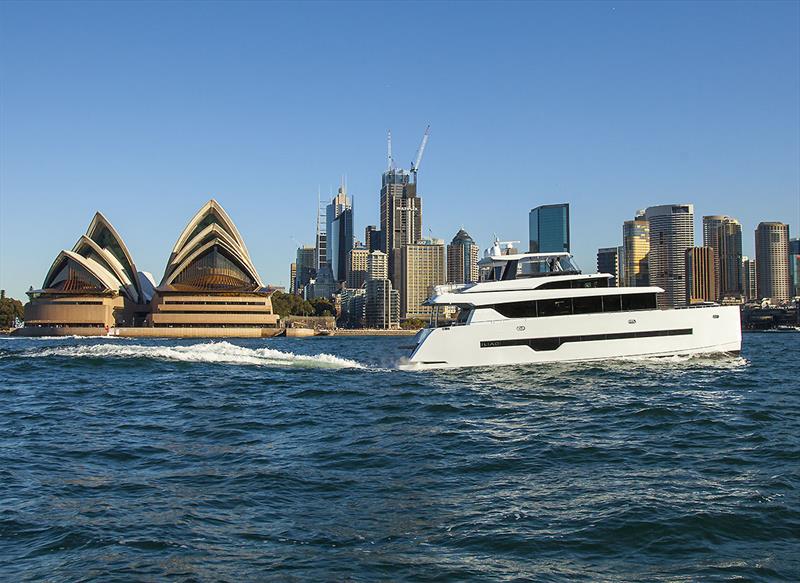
point(389, 151)
point(416, 163)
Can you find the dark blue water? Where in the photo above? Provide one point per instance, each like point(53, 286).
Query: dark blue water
point(257, 460)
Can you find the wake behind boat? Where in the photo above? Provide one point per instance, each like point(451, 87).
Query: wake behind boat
point(538, 307)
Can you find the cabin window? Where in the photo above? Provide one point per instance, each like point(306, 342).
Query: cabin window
point(611, 304)
point(638, 302)
point(517, 309)
point(555, 307)
point(587, 305)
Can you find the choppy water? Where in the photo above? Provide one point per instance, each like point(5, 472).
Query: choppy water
point(315, 460)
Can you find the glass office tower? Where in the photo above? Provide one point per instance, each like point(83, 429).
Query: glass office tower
point(549, 228)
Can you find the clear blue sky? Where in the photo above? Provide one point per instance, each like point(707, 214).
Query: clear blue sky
point(146, 110)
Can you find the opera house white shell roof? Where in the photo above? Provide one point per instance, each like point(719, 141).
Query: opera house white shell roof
point(98, 263)
point(210, 255)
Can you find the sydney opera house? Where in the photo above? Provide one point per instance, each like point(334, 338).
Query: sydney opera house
point(210, 287)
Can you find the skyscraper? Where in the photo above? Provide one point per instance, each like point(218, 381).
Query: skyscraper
point(609, 260)
point(671, 234)
point(772, 260)
point(724, 234)
point(421, 268)
point(635, 251)
point(292, 278)
point(372, 238)
point(749, 288)
point(549, 228)
point(339, 228)
point(462, 259)
point(401, 214)
point(794, 267)
point(306, 267)
point(701, 275)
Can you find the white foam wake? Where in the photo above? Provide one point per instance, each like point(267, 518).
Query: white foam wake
point(216, 352)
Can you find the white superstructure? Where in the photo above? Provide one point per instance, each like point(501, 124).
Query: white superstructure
point(537, 307)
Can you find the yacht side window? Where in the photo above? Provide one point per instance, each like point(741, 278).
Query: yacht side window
point(463, 315)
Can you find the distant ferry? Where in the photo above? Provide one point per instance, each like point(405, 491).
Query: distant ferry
point(538, 308)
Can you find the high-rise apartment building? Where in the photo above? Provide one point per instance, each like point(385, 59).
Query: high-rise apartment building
point(401, 215)
point(749, 288)
point(609, 260)
point(772, 260)
point(462, 259)
point(382, 305)
point(701, 277)
point(671, 234)
point(724, 234)
point(548, 227)
point(377, 265)
point(635, 251)
point(306, 262)
point(357, 267)
point(293, 278)
point(422, 267)
point(339, 230)
point(794, 267)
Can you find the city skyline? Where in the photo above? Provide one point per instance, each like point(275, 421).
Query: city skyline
point(162, 123)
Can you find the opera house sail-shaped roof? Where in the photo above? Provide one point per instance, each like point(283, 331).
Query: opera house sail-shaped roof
point(90, 288)
point(210, 256)
point(98, 263)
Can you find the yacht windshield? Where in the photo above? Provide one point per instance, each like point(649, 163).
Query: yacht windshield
point(528, 267)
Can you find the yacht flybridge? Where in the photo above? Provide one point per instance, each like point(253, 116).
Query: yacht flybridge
point(538, 307)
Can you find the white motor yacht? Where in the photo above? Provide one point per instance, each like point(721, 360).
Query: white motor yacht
point(538, 307)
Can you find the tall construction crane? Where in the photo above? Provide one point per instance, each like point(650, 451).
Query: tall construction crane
point(389, 148)
point(415, 163)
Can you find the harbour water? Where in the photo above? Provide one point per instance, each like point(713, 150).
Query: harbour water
point(317, 460)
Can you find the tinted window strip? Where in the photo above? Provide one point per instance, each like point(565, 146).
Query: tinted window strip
point(554, 342)
point(578, 305)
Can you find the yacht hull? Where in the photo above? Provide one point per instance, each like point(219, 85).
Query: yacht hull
point(570, 338)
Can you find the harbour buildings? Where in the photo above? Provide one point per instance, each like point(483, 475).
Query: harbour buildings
point(794, 266)
point(462, 259)
point(724, 235)
point(702, 280)
point(422, 267)
point(671, 234)
point(609, 260)
point(636, 251)
point(548, 228)
point(772, 260)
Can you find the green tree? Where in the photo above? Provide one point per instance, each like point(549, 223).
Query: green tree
point(10, 310)
point(413, 324)
point(290, 305)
